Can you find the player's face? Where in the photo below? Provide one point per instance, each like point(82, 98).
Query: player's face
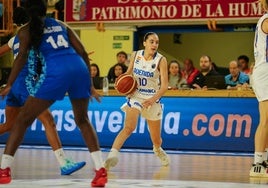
point(151, 44)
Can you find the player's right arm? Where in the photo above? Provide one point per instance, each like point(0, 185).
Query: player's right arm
point(131, 63)
point(4, 49)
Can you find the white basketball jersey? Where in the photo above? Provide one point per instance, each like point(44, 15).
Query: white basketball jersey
point(147, 74)
point(260, 43)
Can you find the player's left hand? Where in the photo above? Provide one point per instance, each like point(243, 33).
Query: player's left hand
point(147, 103)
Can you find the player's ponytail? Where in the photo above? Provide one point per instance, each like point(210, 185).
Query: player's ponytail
point(37, 11)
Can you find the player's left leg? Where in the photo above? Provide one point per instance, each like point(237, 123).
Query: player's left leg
point(130, 124)
point(11, 114)
point(67, 165)
point(80, 109)
point(258, 169)
point(155, 134)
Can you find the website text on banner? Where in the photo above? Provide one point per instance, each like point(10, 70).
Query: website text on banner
point(207, 124)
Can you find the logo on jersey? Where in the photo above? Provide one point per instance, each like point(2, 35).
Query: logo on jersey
point(144, 73)
point(138, 60)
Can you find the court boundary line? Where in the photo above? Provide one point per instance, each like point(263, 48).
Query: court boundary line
point(144, 151)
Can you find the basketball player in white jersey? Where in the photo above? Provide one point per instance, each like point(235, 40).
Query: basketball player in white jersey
point(260, 87)
point(149, 68)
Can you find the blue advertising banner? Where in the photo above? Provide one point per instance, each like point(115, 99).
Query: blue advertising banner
point(189, 123)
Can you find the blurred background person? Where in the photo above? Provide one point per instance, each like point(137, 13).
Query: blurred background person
point(118, 70)
point(206, 71)
point(95, 76)
point(243, 63)
point(236, 79)
point(175, 78)
point(122, 59)
point(189, 71)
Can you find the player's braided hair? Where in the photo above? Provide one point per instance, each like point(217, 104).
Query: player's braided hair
point(36, 10)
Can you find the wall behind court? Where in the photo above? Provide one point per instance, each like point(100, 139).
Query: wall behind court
point(106, 45)
point(222, 47)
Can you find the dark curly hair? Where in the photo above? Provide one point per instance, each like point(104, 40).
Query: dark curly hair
point(20, 16)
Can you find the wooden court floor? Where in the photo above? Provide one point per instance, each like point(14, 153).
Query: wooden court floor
point(37, 167)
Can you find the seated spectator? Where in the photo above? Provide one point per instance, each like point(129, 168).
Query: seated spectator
point(175, 78)
point(118, 70)
point(189, 71)
point(95, 75)
point(236, 79)
point(206, 75)
point(243, 63)
point(121, 59)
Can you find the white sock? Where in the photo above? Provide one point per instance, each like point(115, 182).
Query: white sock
point(258, 157)
point(97, 159)
point(114, 150)
point(7, 161)
point(113, 153)
point(60, 155)
point(265, 155)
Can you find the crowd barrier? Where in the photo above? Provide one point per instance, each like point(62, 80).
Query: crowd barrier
point(219, 120)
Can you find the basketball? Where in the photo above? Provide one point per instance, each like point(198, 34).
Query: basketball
point(125, 84)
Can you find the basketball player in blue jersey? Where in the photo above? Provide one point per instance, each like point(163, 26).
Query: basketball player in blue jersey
point(260, 87)
point(55, 51)
point(15, 100)
point(18, 95)
point(150, 70)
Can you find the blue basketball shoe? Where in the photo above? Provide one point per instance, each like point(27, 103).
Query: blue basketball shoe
point(71, 167)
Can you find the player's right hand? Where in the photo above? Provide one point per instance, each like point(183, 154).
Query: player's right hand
point(95, 94)
point(4, 90)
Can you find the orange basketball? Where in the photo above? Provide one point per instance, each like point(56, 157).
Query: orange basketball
point(125, 84)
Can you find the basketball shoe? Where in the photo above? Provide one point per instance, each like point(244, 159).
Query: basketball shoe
point(71, 166)
point(5, 176)
point(111, 160)
point(258, 170)
point(265, 164)
point(100, 178)
point(161, 154)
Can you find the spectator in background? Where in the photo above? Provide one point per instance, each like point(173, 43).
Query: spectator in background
point(189, 71)
point(243, 63)
point(121, 59)
point(236, 79)
point(95, 75)
point(118, 70)
point(94, 70)
point(175, 78)
point(206, 71)
point(59, 6)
